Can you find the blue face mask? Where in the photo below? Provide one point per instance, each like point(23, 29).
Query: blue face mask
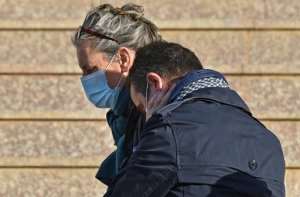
point(98, 91)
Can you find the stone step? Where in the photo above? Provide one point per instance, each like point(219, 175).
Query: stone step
point(86, 143)
point(78, 182)
point(62, 97)
point(237, 52)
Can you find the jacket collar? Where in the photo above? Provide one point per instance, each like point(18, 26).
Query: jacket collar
point(193, 77)
point(218, 92)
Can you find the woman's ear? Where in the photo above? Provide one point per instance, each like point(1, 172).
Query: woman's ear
point(155, 81)
point(126, 59)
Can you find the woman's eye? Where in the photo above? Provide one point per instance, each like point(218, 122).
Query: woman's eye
point(89, 70)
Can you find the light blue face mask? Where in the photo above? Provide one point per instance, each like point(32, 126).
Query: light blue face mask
point(98, 91)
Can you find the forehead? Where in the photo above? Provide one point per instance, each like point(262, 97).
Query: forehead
point(88, 56)
point(85, 48)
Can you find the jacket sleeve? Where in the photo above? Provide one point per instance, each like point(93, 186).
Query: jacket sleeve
point(151, 170)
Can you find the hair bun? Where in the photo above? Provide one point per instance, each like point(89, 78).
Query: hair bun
point(133, 9)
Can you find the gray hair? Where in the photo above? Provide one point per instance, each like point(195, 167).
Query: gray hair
point(117, 27)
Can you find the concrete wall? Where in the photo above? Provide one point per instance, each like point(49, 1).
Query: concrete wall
point(52, 139)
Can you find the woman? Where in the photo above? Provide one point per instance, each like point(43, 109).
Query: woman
point(106, 43)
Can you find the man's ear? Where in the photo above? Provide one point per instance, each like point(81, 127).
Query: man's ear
point(126, 58)
point(155, 81)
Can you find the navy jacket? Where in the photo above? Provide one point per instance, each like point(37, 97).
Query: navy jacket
point(206, 144)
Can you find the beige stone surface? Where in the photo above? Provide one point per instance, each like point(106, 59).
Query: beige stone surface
point(62, 97)
point(221, 50)
point(269, 97)
point(280, 13)
point(55, 182)
point(288, 133)
point(273, 52)
point(227, 51)
point(220, 14)
point(37, 52)
point(166, 13)
point(45, 96)
point(195, 13)
point(86, 143)
point(77, 182)
point(292, 183)
point(54, 143)
point(43, 14)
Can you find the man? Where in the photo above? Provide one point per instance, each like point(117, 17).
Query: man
point(200, 140)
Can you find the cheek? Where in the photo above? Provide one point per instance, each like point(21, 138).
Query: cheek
point(133, 96)
point(80, 58)
point(113, 74)
point(141, 108)
point(137, 99)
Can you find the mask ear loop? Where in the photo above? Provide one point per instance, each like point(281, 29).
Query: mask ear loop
point(146, 100)
point(119, 82)
point(110, 62)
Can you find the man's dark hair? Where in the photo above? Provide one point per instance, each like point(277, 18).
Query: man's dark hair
point(169, 60)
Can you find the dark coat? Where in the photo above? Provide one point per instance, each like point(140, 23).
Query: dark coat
point(206, 145)
point(125, 122)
